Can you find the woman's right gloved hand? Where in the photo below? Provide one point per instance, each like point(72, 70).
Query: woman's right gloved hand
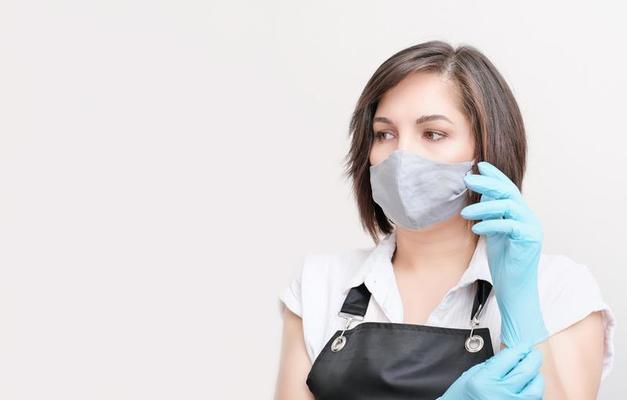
point(512, 373)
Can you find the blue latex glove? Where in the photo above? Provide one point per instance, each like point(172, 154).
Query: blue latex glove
point(514, 242)
point(512, 373)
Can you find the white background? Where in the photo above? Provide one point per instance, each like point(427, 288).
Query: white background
point(165, 166)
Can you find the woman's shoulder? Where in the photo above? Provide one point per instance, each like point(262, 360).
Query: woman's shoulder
point(562, 281)
point(569, 292)
point(313, 294)
point(319, 275)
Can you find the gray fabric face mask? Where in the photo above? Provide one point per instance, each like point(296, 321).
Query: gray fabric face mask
point(416, 192)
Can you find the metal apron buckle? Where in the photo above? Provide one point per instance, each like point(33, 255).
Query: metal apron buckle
point(474, 343)
point(340, 341)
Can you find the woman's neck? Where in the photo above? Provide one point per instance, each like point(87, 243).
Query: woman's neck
point(445, 247)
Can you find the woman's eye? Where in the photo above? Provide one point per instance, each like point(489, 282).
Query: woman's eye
point(429, 135)
point(432, 136)
point(379, 135)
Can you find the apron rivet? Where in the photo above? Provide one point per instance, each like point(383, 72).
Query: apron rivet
point(338, 343)
point(474, 343)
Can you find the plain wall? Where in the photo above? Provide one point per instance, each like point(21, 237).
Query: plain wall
point(165, 166)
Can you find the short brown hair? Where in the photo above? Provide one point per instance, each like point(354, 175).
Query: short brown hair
point(487, 102)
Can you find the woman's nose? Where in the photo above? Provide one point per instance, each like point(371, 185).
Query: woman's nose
point(408, 142)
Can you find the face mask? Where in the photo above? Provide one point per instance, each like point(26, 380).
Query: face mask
point(416, 192)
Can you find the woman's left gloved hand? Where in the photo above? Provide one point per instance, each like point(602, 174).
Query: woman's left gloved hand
point(512, 373)
point(514, 242)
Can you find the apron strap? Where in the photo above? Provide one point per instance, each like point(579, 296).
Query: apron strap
point(483, 291)
point(357, 299)
point(356, 302)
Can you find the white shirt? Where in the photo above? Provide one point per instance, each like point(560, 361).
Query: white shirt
point(568, 293)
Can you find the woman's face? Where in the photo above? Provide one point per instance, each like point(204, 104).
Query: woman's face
point(421, 115)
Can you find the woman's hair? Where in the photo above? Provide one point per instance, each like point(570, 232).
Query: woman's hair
point(487, 102)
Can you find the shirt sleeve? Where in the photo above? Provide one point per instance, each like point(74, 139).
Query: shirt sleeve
point(569, 293)
point(291, 295)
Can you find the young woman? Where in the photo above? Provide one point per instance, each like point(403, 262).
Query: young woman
point(456, 300)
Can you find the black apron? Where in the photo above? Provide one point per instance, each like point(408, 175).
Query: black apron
point(386, 360)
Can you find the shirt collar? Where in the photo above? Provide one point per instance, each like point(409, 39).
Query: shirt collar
point(377, 269)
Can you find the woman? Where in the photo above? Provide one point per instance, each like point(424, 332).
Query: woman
point(437, 161)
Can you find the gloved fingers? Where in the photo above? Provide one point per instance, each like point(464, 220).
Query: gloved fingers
point(461, 385)
point(485, 197)
point(492, 187)
point(494, 209)
point(525, 371)
point(504, 361)
point(470, 372)
point(487, 169)
point(515, 230)
point(534, 389)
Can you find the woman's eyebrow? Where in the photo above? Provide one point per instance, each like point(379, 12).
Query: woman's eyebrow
point(421, 120)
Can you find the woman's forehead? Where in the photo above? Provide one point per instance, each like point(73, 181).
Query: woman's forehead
point(420, 94)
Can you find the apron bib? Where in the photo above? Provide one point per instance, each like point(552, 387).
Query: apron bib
point(385, 360)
